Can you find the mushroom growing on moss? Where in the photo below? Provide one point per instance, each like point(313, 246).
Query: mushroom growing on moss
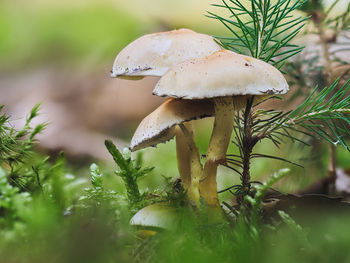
point(228, 78)
point(153, 55)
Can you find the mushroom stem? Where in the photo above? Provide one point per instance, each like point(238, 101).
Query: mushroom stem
point(219, 141)
point(183, 156)
point(196, 168)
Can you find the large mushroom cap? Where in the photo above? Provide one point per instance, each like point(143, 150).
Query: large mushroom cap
point(158, 126)
point(155, 216)
point(223, 73)
point(154, 54)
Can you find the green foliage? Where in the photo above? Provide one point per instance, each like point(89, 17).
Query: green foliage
point(262, 29)
point(26, 176)
point(97, 194)
point(16, 156)
point(130, 171)
point(321, 113)
point(16, 145)
point(312, 6)
point(12, 202)
point(261, 189)
point(314, 117)
point(254, 215)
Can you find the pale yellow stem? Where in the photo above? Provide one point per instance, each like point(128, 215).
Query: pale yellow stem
point(183, 156)
point(189, 165)
point(195, 167)
point(219, 141)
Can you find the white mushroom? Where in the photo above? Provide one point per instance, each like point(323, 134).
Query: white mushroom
point(159, 125)
point(156, 216)
point(168, 121)
point(224, 76)
point(153, 55)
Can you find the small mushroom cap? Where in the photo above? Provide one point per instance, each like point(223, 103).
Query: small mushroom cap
point(159, 126)
point(154, 54)
point(223, 73)
point(155, 216)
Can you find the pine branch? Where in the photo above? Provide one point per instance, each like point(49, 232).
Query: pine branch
point(258, 155)
point(262, 29)
point(328, 119)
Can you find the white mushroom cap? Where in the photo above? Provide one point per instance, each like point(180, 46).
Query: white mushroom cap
point(155, 216)
point(223, 73)
point(154, 54)
point(158, 126)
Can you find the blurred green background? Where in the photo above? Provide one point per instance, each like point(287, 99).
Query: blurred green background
point(71, 33)
point(51, 32)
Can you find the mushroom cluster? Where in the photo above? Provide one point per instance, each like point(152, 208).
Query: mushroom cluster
point(202, 80)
